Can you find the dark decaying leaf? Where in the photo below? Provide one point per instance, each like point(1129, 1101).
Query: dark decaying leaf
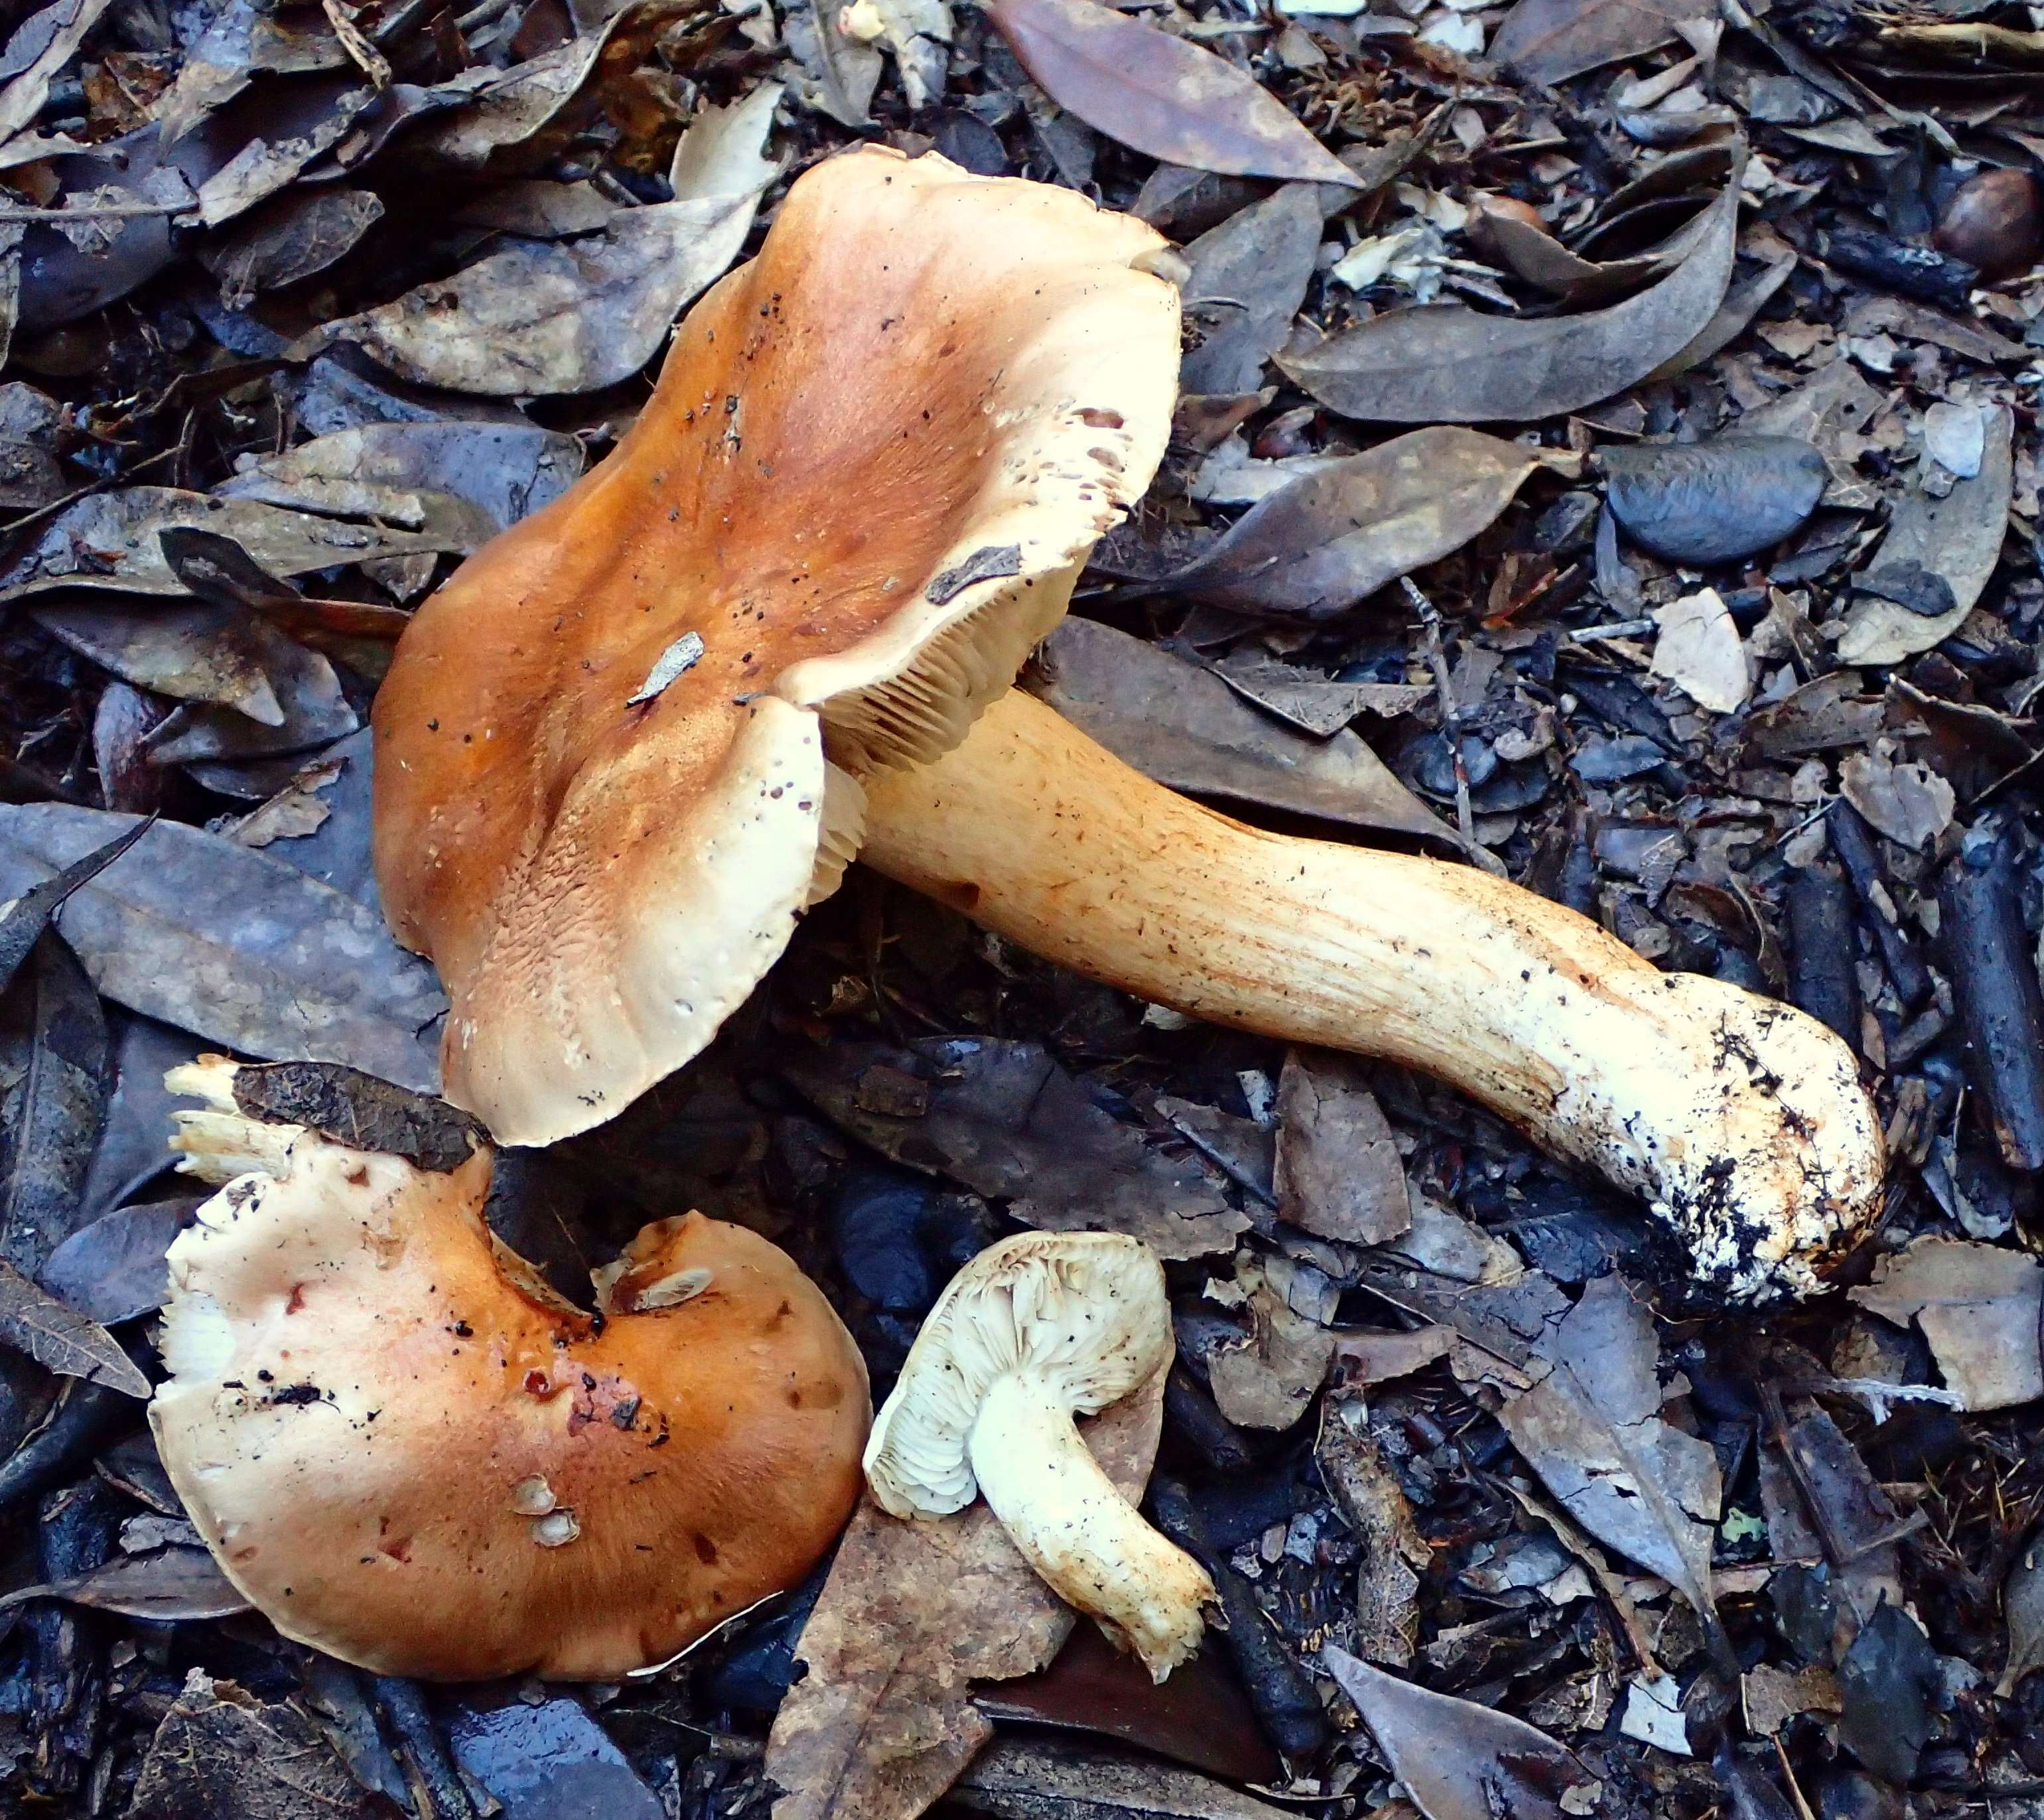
point(222, 1754)
point(1004, 1119)
point(537, 316)
point(1958, 538)
point(56, 1113)
point(204, 653)
point(22, 925)
point(1159, 95)
point(2023, 1600)
point(301, 123)
point(537, 209)
point(883, 1720)
point(507, 125)
point(1199, 1716)
point(315, 710)
point(1742, 303)
point(1590, 1428)
point(1541, 259)
point(1033, 1779)
point(110, 540)
point(1451, 365)
point(1324, 541)
point(1249, 276)
point(1550, 40)
point(242, 39)
point(113, 1270)
point(1338, 1174)
point(168, 1585)
point(297, 234)
point(38, 50)
point(60, 282)
point(1459, 1760)
point(547, 1760)
point(503, 470)
point(30, 478)
point(33, 1321)
point(132, 1149)
point(1182, 725)
point(235, 945)
point(1702, 503)
point(1887, 1684)
point(218, 570)
point(337, 851)
point(359, 1110)
point(251, 690)
point(1314, 703)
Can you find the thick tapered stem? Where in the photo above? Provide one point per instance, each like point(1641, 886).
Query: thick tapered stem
point(1741, 1120)
point(1081, 1535)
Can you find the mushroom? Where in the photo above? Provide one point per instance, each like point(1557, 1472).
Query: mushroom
point(1036, 1330)
point(891, 441)
point(408, 1451)
point(876, 461)
point(1740, 1120)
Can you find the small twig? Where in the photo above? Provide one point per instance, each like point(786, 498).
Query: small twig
point(1618, 628)
point(468, 23)
point(361, 52)
point(14, 526)
point(1451, 727)
point(97, 212)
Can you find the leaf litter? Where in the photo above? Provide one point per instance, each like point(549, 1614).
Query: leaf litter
point(1672, 674)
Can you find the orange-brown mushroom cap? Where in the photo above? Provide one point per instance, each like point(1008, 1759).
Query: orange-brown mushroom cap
point(407, 1452)
point(617, 754)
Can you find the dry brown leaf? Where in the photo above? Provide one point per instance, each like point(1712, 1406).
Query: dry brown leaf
point(1160, 95)
point(1023, 1778)
point(1550, 40)
point(1375, 1505)
point(170, 1584)
point(233, 945)
point(1328, 539)
point(111, 540)
point(541, 317)
point(33, 1321)
point(1592, 1430)
point(883, 1721)
point(1450, 365)
point(1338, 1174)
point(1459, 1760)
point(1958, 538)
point(1699, 651)
point(1182, 724)
point(1977, 1306)
point(1269, 1381)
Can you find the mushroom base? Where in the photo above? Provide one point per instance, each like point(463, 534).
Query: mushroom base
point(1741, 1121)
point(1084, 1539)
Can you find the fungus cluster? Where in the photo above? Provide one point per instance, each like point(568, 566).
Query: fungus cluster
point(617, 756)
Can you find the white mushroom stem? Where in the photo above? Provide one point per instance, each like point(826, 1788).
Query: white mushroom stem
point(1085, 1540)
point(1742, 1121)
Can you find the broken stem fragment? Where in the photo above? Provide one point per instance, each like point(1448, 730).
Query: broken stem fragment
point(1036, 1330)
